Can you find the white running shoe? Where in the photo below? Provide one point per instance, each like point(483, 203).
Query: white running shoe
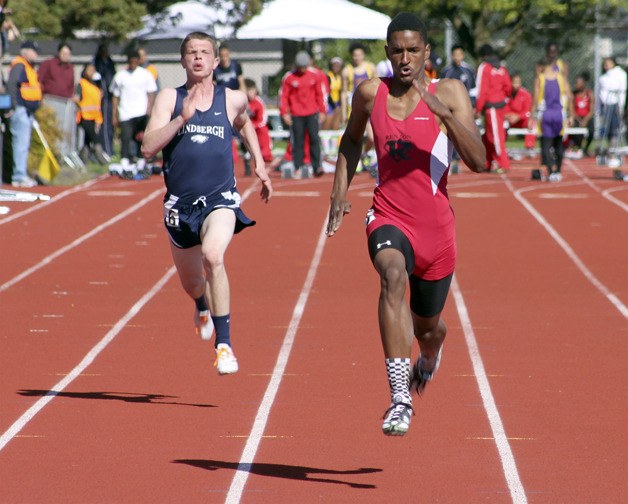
point(25, 182)
point(613, 162)
point(225, 363)
point(423, 371)
point(204, 324)
point(397, 417)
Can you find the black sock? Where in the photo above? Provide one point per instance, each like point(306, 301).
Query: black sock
point(201, 303)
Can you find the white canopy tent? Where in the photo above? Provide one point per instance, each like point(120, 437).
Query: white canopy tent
point(181, 18)
point(315, 19)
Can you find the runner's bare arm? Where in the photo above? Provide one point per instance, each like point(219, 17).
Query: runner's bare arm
point(236, 104)
point(161, 129)
point(452, 106)
point(349, 152)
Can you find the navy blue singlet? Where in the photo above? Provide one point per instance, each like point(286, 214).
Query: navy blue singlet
point(198, 161)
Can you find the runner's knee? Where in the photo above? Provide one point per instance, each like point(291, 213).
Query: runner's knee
point(393, 279)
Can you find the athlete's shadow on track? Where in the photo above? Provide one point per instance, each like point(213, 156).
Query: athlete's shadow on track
point(300, 473)
point(114, 396)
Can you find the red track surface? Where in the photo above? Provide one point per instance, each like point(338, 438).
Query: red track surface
point(542, 288)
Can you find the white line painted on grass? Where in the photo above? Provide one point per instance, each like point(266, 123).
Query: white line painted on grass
point(517, 492)
point(562, 243)
point(250, 449)
point(48, 259)
point(30, 413)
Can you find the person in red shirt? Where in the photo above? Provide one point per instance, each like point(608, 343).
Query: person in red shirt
point(493, 88)
point(584, 107)
point(56, 75)
point(259, 119)
point(302, 106)
point(517, 109)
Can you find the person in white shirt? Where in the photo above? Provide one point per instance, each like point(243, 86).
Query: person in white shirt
point(133, 91)
point(611, 100)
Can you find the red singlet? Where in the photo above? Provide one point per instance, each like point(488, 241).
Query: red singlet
point(411, 194)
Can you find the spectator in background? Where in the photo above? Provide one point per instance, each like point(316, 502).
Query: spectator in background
point(612, 100)
point(461, 70)
point(106, 69)
point(56, 74)
point(25, 90)
point(584, 110)
point(493, 89)
point(553, 59)
point(133, 91)
point(8, 31)
point(357, 71)
point(465, 73)
point(334, 77)
point(145, 63)
point(554, 103)
point(228, 73)
point(517, 110)
point(259, 119)
point(430, 68)
point(88, 98)
point(301, 106)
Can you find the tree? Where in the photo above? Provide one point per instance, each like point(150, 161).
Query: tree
point(61, 19)
point(477, 22)
point(112, 19)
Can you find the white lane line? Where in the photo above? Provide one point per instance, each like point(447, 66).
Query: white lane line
point(54, 199)
point(30, 413)
point(517, 492)
point(562, 243)
point(48, 259)
point(250, 449)
point(607, 194)
point(604, 193)
point(19, 424)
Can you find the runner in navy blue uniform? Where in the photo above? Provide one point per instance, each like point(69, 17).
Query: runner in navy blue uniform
point(194, 125)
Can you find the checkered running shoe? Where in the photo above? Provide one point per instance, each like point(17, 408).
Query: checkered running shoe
point(423, 371)
point(225, 362)
point(397, 417)
point(204, 324)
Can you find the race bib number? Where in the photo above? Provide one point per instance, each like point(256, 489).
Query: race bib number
point(171, 217)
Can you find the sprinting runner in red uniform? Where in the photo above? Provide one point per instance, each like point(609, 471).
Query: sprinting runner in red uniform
point(410, 227)
point(411, 193)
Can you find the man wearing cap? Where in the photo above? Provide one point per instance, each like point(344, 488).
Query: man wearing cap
point(301, 103)
point(25, 91)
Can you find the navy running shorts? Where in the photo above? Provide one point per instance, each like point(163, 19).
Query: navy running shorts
point(184, 219)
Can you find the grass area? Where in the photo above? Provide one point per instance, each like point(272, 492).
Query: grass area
point(69, 176)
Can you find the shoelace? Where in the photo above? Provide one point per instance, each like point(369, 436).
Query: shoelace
point(220, 353)
point(398, 413)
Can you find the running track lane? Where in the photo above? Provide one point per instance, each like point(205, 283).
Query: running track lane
point(552, 339)
point(120, 394)
point(342, 470)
